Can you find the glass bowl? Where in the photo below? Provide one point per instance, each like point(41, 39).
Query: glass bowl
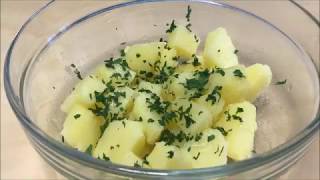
point(38, 76)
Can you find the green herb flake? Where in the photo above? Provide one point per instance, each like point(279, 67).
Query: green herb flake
point(123, 123)
point(150, 120)
point(235, 117)
point(281, 82)
point(218, 148)
point(238, 73)
point(89, 149)
point(198, 137)
point(137, 165)
point(227, 115)
point(170, 154)
point(211, 137)
point(239, 110)
point(196, 61)
point(188, 26)
point(106, 158)
point(221, 150)
point(197, 156)
point(62, 139)
point(222, 130)
point(188, 13)
point(122, 53)
point(189, 149)
point(236, 51)
point(77, 116)
point(215, 95)
point(219, 71)
point(172, 27)
point(138, 55)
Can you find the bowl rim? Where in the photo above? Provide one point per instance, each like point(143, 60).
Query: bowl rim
point(278, 152)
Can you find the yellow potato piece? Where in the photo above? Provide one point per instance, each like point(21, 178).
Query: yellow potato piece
point(150, 119)
point(196, 63)
point(162, 156)
point(124, 135)
point(142, 57)
point(119, 75)
point(83, 93)
point(219, 50)
point(239, 121)
point(81, 128)
point(184, 41)
point(234, 88)
point(199, 114)
point(259, 77)
point(211, 150)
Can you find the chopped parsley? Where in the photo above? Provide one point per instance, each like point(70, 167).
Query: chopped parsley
point(195, 61)
point(198, 137)
point(227, 115)
point(123, 123)
point(62, 139)
point(219, 71)
point(106, 158)
point(239, 110)
point(172, 27)
point(189, 149)
point(218, 148)
point(77, 116)
point(167, 136)
point(221, 150)
point(150, 120)
point(138, 55)
point(170, 154)
point(211, 137)
point(238, 73)
point(281, 82)
point(236, 117)
point(188, 27)
point(197, 156)
point(136, 164)
point(236, 51)
point(89, 149)
point(122, 53)
point(188, 13)
point(222, 130)
point(215, 95)
point(200, 79)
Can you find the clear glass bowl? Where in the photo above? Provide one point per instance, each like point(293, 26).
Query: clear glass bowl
point(37, 77)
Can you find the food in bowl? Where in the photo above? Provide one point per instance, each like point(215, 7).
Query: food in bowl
point(161, 105)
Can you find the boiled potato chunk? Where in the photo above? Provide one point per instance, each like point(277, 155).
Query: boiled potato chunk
point(219, 50)
point(154, 88)
point(123, 136)
point(150, 119)
point(83, 93)
point(184, 41)
point(240, 143)
point(195, 64)
point(234, 83)
point(118, 75)
point(198, 116)
point(175, 85)
point(215, 105)
point(168, 57)
point(142, 57)
point(125, 102)
point(127, 158)
point(259, 77)
point(239, 121)
point(162, 156)
point(211, 150)
point(81, 128)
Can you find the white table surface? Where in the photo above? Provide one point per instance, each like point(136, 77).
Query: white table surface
point(20, 161)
